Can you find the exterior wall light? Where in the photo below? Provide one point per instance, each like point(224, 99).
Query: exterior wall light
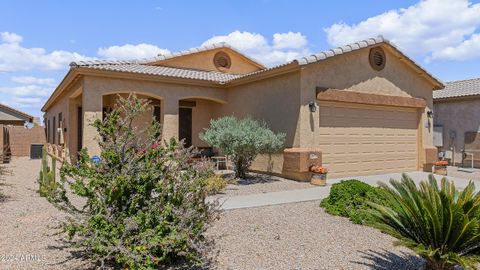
point(312, 106)
point(430, 114)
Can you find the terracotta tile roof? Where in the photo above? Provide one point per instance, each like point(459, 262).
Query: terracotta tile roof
point(134, 67)
point(16, 112)
point(463, 88)
point(145, 66)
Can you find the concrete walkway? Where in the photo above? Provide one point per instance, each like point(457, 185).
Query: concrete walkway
point(318, 193)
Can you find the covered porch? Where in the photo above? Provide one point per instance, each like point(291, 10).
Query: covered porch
point(183, 118)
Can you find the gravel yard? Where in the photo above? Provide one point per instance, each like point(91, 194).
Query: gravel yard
point(302, 236)
point(288, 236)
point(261, 183)
point(27, 223)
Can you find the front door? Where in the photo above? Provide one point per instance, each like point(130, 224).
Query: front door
point(185, 125)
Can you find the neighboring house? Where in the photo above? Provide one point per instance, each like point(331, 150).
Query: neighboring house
point(457, 117)
point(357, 110)
point(11, 116)
point(15, 138)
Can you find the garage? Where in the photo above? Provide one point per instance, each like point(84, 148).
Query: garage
point(359, 139)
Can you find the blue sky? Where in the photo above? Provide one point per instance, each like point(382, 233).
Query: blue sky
point(39, 38)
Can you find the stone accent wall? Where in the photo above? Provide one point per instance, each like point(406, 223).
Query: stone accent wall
point(21, 138)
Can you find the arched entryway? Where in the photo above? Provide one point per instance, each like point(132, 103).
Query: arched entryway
point(153, 112)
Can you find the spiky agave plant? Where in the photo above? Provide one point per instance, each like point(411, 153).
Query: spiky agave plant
point(441, 224)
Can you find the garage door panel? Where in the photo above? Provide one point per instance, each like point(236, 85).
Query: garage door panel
point(362, 140)
point(348, 158)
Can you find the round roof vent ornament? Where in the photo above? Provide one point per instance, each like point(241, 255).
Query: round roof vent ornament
point(222, 61)
point(377, 58)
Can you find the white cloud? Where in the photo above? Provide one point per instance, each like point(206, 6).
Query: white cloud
point(289, 40)
point(26, 102)
point(426, 28)
point(30, 90)
point(10, 37)
point(468, 49)
point(285, 46)
point(240, 40)
point(33, 80)
point(129, 51)
point(14, 57)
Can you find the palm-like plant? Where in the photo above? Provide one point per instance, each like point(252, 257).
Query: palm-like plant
point(441, 224)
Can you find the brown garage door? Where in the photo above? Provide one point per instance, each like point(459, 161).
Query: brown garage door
point(364, 140)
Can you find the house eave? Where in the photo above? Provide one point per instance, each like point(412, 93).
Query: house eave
point(76, 72)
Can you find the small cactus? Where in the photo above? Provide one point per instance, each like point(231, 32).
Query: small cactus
point(46, 179)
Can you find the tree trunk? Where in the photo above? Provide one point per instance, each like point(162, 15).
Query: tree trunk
point(240, 170)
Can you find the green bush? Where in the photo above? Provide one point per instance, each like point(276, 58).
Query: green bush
point(350, 198)
point(243, 139)
point(145, 203)
point(46, 179)
point(441, 224)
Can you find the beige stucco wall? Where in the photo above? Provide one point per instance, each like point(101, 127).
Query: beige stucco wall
point(459, 116)
point(67, 105)
point(204, 61)
point(274, 100)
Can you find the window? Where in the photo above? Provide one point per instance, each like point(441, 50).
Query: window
point(60, 119)
point(48, 130)
point(54, 130)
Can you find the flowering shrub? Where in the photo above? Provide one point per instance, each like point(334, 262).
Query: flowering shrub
point(145, 203)
point(318, 169)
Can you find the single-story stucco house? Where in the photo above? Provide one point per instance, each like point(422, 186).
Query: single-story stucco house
point(457, 119)
point(14, 117)
point(364, 108)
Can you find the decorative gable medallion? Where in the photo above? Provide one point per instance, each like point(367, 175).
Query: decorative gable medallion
point(222, 61)
point(377, 58)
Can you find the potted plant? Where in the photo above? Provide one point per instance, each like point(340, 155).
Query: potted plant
point(440, 167)
point(319, 175)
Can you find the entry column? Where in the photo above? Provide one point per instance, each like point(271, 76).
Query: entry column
point(170, 119)
point(92, 103)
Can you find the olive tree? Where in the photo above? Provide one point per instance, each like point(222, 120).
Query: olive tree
point(242, 139)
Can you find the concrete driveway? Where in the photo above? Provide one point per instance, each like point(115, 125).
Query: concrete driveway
point(318, 193)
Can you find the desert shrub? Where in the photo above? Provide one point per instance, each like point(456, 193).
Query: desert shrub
point(46, 180)
point(215, 184)
point(439, 223)
point(350, 198)
point(145, 203)
point(243, 139)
